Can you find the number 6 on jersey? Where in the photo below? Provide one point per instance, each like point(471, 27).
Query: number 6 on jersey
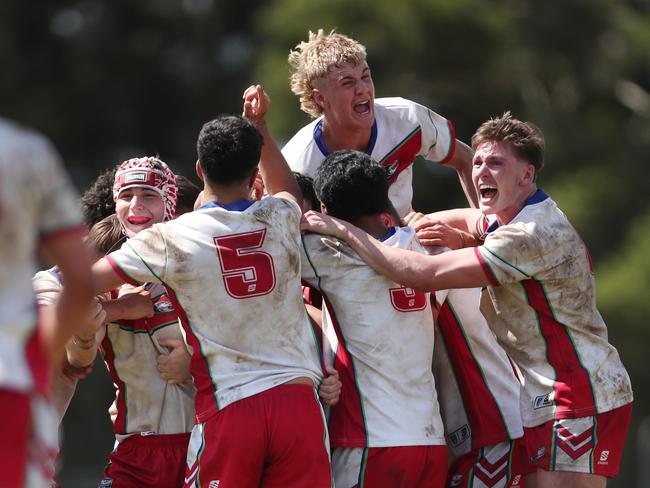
point(246, 272)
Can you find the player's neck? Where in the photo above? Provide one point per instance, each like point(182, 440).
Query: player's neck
point(337, 137)
point(226, 194)
point(373, 225)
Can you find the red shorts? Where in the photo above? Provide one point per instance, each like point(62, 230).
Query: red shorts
point(276, 438)
point(499, 466)
point(143, 461)
point(591, 445)
point(389, 467)
point(29, 440)
point(16, 419)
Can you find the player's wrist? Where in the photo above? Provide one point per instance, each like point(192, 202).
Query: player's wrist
point(84, 341)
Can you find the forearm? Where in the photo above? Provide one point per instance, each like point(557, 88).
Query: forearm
point(462, 163)
point(69, 311)
point(454, 269)
point(276, 174)
point(81, 351)
point(404, 267)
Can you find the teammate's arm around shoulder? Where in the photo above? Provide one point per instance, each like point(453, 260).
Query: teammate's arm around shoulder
point(276, 174)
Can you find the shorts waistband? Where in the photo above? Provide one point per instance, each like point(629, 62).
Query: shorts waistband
point(159, 440)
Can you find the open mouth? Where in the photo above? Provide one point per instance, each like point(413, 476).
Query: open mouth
point(362, 108)
point(138, 220)
point(487, 192)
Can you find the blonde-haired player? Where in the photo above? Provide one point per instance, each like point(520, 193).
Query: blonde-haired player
point(333, 81)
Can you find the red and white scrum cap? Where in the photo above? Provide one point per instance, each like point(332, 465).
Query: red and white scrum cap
point(148, 172)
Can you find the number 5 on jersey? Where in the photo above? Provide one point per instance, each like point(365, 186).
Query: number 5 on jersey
point(247, 272)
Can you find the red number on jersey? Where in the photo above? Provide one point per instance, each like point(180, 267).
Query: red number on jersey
point(407, 299)
point(246, 272)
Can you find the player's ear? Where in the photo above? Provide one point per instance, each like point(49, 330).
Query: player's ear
point(253, 177)
point(318, 97)
point(323, 208)
point(387, 219)
point(199, 173)
point(528, 176)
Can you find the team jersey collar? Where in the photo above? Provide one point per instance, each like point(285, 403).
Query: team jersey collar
point(320, 141)
point(537, 197)
point(238, 206)
point(389, 233)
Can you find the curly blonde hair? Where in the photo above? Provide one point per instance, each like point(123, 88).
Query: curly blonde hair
point(312, 60)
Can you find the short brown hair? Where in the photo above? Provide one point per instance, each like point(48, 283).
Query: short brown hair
point(525, 138)
point(312, 60)
point(106, 236)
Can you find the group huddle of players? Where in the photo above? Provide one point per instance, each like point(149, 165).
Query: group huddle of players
point(255, 342)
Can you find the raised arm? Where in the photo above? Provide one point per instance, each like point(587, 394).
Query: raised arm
point(276, 174)
point(454, 269)
point(461, 161)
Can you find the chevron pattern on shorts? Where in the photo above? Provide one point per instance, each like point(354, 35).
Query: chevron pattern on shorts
point(575, 445)
point(491, 473)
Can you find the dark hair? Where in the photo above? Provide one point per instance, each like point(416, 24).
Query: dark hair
point(188, 192)
point(525, 138)
point(228, 149)
point(306, 185)
point(351, 184)
point(106, 236)
point(97, 201)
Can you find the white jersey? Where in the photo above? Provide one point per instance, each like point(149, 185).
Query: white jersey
point(544, 314)
point(37, 202)
point(477, 387)
point(233, 274)
point(402, 130)
point(145, 403)
point(381, 336)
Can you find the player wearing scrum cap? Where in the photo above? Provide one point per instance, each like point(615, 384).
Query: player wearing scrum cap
point(227, 266)
point(153, 412)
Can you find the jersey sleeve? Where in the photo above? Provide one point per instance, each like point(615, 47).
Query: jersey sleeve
point(47, 287)
point(142, 258)
point(510, 254)
point(58, 207)
point(438, 136)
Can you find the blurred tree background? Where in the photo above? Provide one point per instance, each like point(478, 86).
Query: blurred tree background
point(108, 80)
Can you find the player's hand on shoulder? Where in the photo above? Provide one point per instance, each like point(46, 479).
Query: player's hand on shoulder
point(320, 223)
point(256, 103)
point(330, 388)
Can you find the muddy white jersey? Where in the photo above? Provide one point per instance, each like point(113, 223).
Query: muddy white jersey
point(402, 130)
point(544, 314)
point(233, 274)
point(477, 388)
point(145, 403)
point(380, 337)
point(37, 202)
